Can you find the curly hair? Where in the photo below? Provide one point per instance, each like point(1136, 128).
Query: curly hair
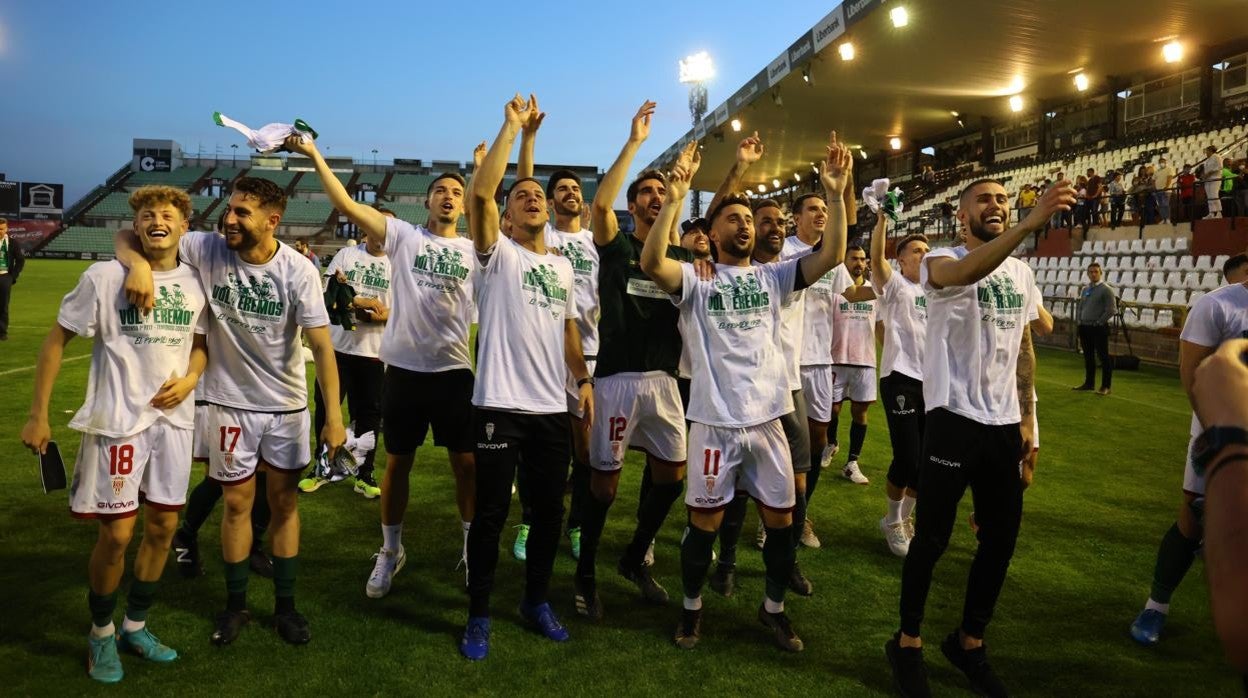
point(268, 193)
point(157, 194)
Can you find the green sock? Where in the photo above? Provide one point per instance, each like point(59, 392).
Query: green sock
point(695, 559)
point(778, 559)
point(102, 607)
point(284, 569)
point(140, 600)
point(236, 584)
point(1174, 557)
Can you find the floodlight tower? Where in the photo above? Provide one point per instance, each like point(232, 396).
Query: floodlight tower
point(695, 71)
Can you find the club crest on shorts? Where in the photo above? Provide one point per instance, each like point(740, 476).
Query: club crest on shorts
point(119, 483)
point(710, 484)
point(489, 431)
point(901, 402)
point(227, 458)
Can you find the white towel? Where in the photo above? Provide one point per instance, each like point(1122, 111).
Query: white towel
point(270, 137)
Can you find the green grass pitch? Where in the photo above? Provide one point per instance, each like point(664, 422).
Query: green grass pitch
point(1107, 487)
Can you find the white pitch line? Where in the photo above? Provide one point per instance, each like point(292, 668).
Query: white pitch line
point(31, 368)
point(1151, 405)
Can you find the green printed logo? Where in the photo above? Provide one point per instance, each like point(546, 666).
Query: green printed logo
point(372, 275)
point(740, 295)
point(252, 297)
point(999, 301)
point(544, 280)
point(443, 262)
point(170, 311)
point(574, 252)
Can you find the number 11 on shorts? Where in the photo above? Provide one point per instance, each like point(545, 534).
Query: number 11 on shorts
point(710, 469)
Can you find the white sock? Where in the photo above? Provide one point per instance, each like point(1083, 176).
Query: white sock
point(105, 631)
point(894, 512)
point(1159, 607)
point(693, 604)
point(129, 626)
point(907, 506)
point(392, 537)
point(773, 606)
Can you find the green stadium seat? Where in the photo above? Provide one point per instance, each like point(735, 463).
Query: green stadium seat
point(307, 212)
point(311, 181)
point(83, 239)
point(281, 178)
point(227, 173)
point(182, 177)
point(409, 184)
point(373, 178)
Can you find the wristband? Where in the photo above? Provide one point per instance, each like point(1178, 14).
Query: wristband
point(1233, 458)
point(583, 381)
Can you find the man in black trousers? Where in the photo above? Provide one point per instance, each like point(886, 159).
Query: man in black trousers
point(1097, 307)
point(11, 262)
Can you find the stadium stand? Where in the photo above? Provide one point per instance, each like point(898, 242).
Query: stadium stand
point(311, 181)
point(281, 178)
point(182, 177)
point(409, 184)
point(78, 239)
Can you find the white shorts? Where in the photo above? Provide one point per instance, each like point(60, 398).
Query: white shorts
point(237, 440)
point(853, 383)
point(574, 392)
point(636, 410)
point(199, 448)
point(817, 387)
point(113, 476)
point(1191, 481)
point(753, 459)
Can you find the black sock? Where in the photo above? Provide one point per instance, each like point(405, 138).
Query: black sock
point(654, 510)
point(102, 607)
point(778, 559)
point(260, 513)
point(580, 491)
point(1174, 557)
point(236, 574)
point(695, 559)
point(730, 529)
point(857, 435)
point(812, 479)
point(139, 600)
point(199, 505)
point(833, 427)
point(284, 571)
point(799, 517)
point(594, 517)
point(647, 481)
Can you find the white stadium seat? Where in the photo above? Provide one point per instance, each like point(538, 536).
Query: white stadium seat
point(1128, 295)
point(1144, 295)
point(1128, 279)
point(1150, 246)
point(1115, 278)
point(1174, 279)
point(1178, 297)
point(1086, 248)
point(1211, 280)
point(1186, 263)
point(1220, 261)
point(1170, 263)
point(1153, 262)
point(1137, 247)
point(1161, 297)
point(1145, 318)
point(1166, 246)
point(1204, 262)
point(1165, 318)
point(1157, 279)
point(1180, 245)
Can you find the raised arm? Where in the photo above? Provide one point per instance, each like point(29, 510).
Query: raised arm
point(685, 160)
point(749, 150)
point(602, 211)
point(979, 262)
point(478, 154)
point(528, 137)
point(835, 174)
point(881, 270)
point(665, 272)
point(37, 432)
point(369, 219)
point(483, 216)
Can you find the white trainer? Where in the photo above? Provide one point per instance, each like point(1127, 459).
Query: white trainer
point(648, 560)
point(388, 564)
point(808, 538)
point(853, 474)
point(829, 452)
point(895, 535)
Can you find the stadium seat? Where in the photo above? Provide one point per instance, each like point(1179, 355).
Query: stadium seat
point(1211, 280)
point(1169, 263)
point(1137, 247)
point(1128, 295)
point(1111, 263)
point(1144, 295)
point(1123, 247)
point(1085, 249)
point(1178, 297)
point(1165, 318)
point(1161, 296)
point(1186, 263)
point(1204, 263)
point(1064, 263)
point(1098, 247)
point(1150, 246)
point(1220, 261)
point(1174, 279)
point(1191, 280)
point(1128, 279)
point(1195, 296)
point(1115, 278)
point(1166, 246)
point(1157, 279)
point(1144, 318)
point(1152, 262)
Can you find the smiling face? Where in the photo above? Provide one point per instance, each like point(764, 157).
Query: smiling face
point(446, 201)
point(812, 217)
point(248, 224)
point(984, 210)
point(566, 198)
point(159, 226)
point(910, 256)
point(733, 231)
point(769, 228)
point(696, 242)
point(526, 207)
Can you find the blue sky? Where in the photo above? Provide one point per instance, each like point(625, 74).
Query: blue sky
point(79, 80)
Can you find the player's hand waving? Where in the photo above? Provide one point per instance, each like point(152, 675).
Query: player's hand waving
point(837, 166)
point(1059, 197)
point(687, 164)
point(516, 111)
point(750, 150)
point(641, 123)
point(534, 117)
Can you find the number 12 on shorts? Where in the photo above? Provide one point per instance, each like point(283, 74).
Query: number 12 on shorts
point(232, 433)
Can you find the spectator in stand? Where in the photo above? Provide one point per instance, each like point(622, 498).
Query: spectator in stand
point(1228, 187)
point(946, 218)
point(1026, 201)
point(1241, 188)
point(1187, 193)
point(1117, 199)
point(1141, 194)
point(1092, 209)
point(11, 262)
point(1165, 180)
point(929, 179)
point(1081, 206)
point(1097, 306)
point(1211, 176)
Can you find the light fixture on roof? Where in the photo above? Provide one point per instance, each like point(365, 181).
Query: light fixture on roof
point(846, 50)
point(1124, 94)
point(899, 16)
point(1016, 85)
point(697, 68)
point(775, 183)
point(1223, 65)
point(863, 153)
point(806, 75)
point(929, 150)
point(1081, 82)
point(797, 176)
point(814, 167)
point(894, 143)
point(736, 124)
point(776, 99)
point(960, 124)
point(1016, 103)
point(1172, 51)
point(762, 189)
point(1050, 114)
point(954, 114)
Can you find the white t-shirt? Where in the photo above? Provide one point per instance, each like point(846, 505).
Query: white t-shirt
point(730, 327)
point(523, 300)
point(818, 301)
point(1212, 171)
point(973, 335)
point(582, 254)
point(1218, 316)
point(369, 276)
point(903, 310)
point(133, 353)
point(792, 326)
point(853, 342)
point(255, 358)
point(432, 278)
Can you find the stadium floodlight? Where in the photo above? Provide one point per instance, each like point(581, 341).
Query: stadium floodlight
point(846, 50)
point(899, 16)
point(775, 183)
point(1016, 103)
point(814, 168)
point(797, 176)
point(697, 68)
point(762, 189)
point(954, 114)
point(863, 153)
point(736, 124)
point(1081, 82)
point(895, 143)
point(1172, 51)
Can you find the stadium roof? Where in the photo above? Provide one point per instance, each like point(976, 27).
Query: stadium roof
point(966, 56)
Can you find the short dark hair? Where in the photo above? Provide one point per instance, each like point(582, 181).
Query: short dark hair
point(446, 175)
point(800, 203)
point(1234, 263)
point(765, 203)
point(972, 185)
point(558, 175)
point(266, 191)
point(631, 194)
point(730, 200)
point(520, 181)
point(855, 245)
point(1094, 265)
point(908, 240)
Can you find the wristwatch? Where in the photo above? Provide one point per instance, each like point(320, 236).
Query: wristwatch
point(583, 381)
point(1212, 441)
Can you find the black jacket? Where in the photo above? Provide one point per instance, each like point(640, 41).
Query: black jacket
point(16, 260)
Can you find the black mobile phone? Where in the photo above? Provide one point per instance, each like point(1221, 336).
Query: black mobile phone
point(52, 468)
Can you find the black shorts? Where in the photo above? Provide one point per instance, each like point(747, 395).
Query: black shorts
point(412, 402)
